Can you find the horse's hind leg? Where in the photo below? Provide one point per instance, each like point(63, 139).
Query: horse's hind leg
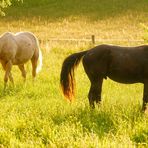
point(11, 78)
point(34, 61)
point(22, 69)
point(145, 95)
point(95, 91)
point(10, 75)
point(8, 67)
point(96, 80)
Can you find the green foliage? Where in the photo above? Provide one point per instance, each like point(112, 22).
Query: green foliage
point(145, 37)
point(5, 4)
point(93, 9)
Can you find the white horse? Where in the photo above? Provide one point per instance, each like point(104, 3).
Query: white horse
point(17, 49)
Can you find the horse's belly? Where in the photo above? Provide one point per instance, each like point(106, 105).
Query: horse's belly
point(126, 77)
point(22, 57)
point(126, 69)
point(19, 61)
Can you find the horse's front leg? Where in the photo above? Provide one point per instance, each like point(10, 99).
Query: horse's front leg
point(22, 69)
point(11, 78)
point(145, 95)
point(34, 61)
point(10, 75)
point(8, 67)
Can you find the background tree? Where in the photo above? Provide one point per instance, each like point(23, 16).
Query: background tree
point(4, 4)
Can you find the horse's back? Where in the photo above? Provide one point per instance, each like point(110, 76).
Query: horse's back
point(27, 35)
point(96, 60)
point(122, 64)
point(19, 47)
point(8, 46)
point(128, 64)
point(6, 37)
point(27, 46)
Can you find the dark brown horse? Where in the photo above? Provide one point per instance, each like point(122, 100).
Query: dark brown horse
point(122, 64)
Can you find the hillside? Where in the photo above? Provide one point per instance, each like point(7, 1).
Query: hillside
point(35, 114)
point(111, 19)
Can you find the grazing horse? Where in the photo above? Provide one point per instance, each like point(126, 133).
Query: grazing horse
point(122, 64)
point(17, 49)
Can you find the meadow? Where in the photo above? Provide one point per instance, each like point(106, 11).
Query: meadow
point(36, 114)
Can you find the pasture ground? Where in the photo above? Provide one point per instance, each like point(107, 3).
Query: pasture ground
point(37, 115)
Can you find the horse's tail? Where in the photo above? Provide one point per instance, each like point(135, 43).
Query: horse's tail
point(40, 62)
point(67, 80)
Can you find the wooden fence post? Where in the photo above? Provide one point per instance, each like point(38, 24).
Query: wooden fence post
point(93, 39)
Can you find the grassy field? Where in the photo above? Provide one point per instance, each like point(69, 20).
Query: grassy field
point(37, 115)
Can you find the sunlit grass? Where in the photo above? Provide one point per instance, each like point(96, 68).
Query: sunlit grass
point(37, 115)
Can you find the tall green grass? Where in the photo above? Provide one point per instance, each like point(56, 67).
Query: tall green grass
point(37, 115)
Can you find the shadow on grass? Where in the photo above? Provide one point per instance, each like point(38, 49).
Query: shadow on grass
point(103, 121)
point(140, 137)
point(10, 91)
point(140, 133)
point(90, 9)
point(96, 122)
